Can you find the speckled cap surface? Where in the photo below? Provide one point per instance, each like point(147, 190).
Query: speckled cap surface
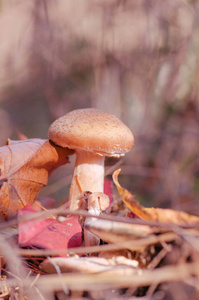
point(92, 130)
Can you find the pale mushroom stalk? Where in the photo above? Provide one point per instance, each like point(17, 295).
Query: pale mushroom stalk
point(97, 202)
point(89, 173)
point(90, 239)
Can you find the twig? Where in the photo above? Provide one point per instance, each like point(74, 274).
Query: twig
point(57, 268)
point(102, 280)
point(133, 244)
point(157, 259)
point(65, 212)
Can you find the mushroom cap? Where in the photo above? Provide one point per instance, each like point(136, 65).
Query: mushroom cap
point(92, 130)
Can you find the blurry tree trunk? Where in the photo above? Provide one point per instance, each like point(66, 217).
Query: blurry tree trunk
point(108, 89)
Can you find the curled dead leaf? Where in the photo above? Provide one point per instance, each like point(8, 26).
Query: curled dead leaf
point(153, 214)
point(130, 201)
point(89, 265)
point(24, 169)
point(116, 232)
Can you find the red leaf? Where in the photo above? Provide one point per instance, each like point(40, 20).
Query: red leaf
point(131, 215)
point(48, 233)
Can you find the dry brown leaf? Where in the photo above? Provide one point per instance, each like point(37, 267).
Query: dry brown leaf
point(88, 265)
point(24, 169)
point(117, 232)
point(153, 214)
point(130, 201)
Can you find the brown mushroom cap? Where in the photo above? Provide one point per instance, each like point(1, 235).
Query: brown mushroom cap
point(92, 130)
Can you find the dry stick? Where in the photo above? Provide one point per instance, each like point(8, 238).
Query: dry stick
point(54, 187)
point(79, 183)
point(151, 289)
point(179, 230)
point(45, 209)
point(11, 256)
point(14, 263)
point(157, 259)
point(35, 280)
point(57, 268)
point(110, 170)
point(188, 237)
point(65, 212)
point(37, 291)
point(11, 274)
point(103, 280)
point(134, 244)
point(146, 277)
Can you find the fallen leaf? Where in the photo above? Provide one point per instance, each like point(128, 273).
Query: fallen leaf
point(21, 137)
point(131, 215)
point(153, 214)
point(117, 232)
point(130, 201)
point(88, 265)
point(24, 169)
point(48, 233)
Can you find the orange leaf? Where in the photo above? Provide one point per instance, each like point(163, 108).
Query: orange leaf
point(154, 214)
point(129, 200)
point(24, 169)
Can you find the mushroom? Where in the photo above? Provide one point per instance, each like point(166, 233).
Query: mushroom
point(97, 202)
point(93, 134)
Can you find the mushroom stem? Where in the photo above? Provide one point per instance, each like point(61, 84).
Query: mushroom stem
point(89, 169)
point(91, 239)
point(97, 202)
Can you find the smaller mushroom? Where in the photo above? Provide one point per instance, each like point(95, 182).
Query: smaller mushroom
point(97, 203)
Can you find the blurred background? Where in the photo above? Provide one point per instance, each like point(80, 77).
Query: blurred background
point(136, 59)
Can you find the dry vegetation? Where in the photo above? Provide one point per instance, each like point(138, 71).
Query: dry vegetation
point(135, 59)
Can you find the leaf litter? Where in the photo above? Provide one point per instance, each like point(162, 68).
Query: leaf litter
point(138, 254)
